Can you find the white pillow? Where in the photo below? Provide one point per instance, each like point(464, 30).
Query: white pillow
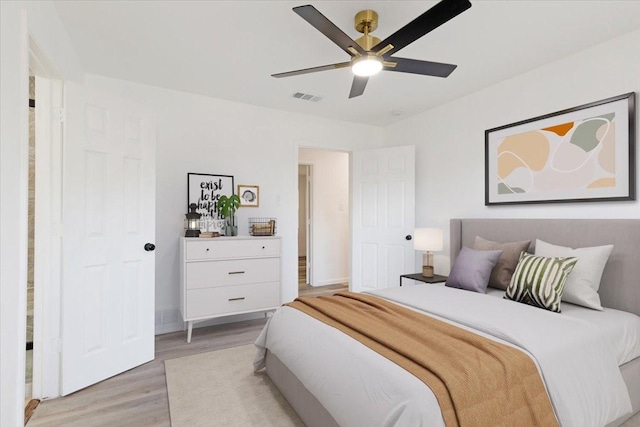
point(583, 283)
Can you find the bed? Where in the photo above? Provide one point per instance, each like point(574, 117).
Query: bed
point(331, 379)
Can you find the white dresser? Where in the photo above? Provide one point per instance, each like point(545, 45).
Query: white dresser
point(224, 276)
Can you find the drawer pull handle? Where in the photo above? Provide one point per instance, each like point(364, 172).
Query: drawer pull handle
point(236, 272)
point(236, 299)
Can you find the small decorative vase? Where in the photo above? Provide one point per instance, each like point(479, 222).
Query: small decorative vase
point(231, 229)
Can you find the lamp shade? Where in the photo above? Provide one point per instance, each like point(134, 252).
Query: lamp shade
point(427, 239)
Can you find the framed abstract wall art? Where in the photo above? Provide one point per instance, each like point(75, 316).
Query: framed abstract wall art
point(582, 154)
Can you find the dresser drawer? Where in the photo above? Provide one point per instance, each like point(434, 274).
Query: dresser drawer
point(228, 248)
point(210, 274)
point(231, 299)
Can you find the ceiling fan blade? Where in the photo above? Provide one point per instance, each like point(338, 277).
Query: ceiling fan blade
point(358, 85)
point(312, 70)
point(328, 28)
point(414, 66)
point(423, 24)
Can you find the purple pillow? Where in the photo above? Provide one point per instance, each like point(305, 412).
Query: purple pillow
point(472, 269)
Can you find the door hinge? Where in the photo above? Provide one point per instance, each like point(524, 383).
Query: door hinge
point(60, 115)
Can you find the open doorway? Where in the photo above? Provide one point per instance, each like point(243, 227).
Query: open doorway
point(304, 225)
point(42, 356)
point(323, 221)
point(31, 238)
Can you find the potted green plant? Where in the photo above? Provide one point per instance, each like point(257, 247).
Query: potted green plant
point(228, 206)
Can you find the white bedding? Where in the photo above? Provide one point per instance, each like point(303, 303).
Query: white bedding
point(359, 387)
point(618, 330)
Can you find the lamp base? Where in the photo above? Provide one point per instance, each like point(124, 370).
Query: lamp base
point(192, 233)
point(427, 271)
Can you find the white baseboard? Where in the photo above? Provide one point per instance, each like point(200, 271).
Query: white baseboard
point(331, 282)
point(168, 320)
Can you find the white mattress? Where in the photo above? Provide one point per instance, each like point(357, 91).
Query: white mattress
point(618, 330)
point(360, 387)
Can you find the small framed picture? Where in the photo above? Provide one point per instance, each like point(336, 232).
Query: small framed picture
point(249, 195)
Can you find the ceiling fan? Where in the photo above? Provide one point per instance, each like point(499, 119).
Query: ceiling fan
point(369, 55)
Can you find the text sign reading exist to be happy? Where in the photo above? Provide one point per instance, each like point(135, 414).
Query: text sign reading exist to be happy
point(205, 190)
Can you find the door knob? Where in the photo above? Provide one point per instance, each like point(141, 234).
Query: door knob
point(408, 237)
point(149, 247)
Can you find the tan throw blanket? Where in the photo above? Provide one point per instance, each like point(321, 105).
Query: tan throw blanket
point(477, 381)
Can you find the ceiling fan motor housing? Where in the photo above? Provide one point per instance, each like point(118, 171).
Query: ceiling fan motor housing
point(366, 21)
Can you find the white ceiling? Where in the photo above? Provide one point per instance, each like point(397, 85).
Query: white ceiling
point(229, 49)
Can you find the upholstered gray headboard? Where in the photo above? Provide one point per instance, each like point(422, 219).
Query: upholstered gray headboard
point(620, 285)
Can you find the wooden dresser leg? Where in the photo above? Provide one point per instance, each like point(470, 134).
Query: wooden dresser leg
point(189, 330)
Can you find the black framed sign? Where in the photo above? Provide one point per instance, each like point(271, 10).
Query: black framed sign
point(582, 154)
point(204, 190)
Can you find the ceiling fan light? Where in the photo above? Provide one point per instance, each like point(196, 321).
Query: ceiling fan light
point(366, 66)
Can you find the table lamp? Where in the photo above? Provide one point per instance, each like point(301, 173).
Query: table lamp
point(428, 240)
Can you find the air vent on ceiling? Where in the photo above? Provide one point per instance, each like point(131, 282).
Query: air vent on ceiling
point(307, 97)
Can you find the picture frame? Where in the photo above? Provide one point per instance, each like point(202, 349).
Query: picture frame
point(204, 190)
point(581, 154)
point(249, 195)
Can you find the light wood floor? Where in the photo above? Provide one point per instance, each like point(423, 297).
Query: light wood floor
point(139, 397)
point(305, 290)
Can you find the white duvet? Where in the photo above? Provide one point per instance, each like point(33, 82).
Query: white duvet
point(361, 388)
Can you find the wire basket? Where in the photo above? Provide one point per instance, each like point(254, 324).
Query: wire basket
point(262, 226)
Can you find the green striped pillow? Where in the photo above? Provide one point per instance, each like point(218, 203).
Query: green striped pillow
point(539, 281)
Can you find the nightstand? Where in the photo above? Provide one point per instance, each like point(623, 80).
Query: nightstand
point(419, 277)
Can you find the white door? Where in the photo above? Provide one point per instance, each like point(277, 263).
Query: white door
point(108, 215)
point(383, 217)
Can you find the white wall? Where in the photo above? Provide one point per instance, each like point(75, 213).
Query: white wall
point(50, 38)
point(256, 145)
point(330, 215)
point(19, 20)
point(450, 146)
